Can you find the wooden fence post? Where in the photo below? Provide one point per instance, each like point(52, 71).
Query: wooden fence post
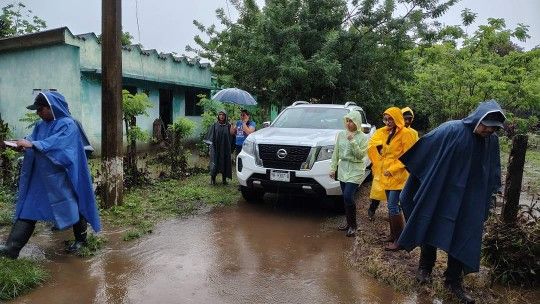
point(514, 178)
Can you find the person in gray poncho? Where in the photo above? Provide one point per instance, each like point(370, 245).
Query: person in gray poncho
point(220, 141)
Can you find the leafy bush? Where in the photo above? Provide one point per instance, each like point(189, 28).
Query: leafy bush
point(8, 164)
point(7, 202)
point(181, 129)
point(513, 251)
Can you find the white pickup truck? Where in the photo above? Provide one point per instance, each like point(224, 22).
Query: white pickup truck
point(293, 154)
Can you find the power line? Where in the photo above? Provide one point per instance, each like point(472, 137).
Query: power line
point(139, 35)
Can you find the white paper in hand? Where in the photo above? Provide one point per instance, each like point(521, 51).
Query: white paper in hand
point(10, 143)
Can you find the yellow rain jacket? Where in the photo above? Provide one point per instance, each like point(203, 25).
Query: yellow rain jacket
point(377, 190)
point(348, 155)
point(407, 109)
point(388, 158)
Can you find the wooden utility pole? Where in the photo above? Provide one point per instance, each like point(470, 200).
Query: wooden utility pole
point(514, 178)
point(111, 102)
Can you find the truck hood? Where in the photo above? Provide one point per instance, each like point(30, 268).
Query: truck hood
point(295, 136)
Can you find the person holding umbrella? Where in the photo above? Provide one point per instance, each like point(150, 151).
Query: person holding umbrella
point(241, 129)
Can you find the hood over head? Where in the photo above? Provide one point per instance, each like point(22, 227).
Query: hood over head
point(487, 109)
point(222, 111)
point(355, 117)
point(407, 110)
point(396, 114)
point(56, 101)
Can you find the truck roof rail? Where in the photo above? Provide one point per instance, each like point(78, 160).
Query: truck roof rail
point(299, 102)
point(349, 103)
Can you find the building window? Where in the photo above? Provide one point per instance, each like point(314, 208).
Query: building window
point(131, 89)
point(192, 100)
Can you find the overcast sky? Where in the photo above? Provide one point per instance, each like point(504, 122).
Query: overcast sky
point(167, 25)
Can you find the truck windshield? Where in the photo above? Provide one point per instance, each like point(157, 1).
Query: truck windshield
point(311, 118)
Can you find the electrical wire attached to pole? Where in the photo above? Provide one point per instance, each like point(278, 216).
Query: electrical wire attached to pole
point(139, 35)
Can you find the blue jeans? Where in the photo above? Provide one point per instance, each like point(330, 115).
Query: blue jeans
point(392, 198)
point(348, 189)
point(238, 149)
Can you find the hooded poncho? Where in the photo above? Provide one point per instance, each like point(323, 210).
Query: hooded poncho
point(446, 199)
point(220, 141)
point(349, 154)
point(55, 182)
point(390, 150)
point(405, 110)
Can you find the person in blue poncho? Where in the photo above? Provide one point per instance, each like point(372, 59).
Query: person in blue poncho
point(55, 183)
point(454, 170)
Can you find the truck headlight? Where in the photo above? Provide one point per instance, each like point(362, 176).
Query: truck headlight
point(325, 153)
point(249, 147)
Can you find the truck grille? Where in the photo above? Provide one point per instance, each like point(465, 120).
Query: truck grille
point(296, 155)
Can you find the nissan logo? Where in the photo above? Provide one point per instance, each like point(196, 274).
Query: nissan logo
point(281, 153)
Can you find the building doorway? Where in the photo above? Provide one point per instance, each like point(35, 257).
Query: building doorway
point(165, 106)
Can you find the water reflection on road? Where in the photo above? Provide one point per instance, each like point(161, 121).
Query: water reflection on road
point(285, 252)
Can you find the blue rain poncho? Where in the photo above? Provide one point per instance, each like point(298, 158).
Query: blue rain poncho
point(453, 174)
point(55, 182)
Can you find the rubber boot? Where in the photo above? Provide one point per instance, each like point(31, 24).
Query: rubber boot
point(345, 226)
point(80, 233)
point(224, 180)
point(212, 179)
point(457, 291)
point(397, 223)
point(18, 237)
point(352, 221)
point(453, 281)
point(372, 209)
point(428, 256)
point(390, 237)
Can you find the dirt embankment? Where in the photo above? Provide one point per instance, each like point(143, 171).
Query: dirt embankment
point(398, 269)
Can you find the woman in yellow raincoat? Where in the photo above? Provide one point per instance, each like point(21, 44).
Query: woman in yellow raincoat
point(377, 194)
point(384, 151)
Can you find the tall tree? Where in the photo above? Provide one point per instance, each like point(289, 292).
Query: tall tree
point(318, 50)
point(449, 80)
point(17, 19)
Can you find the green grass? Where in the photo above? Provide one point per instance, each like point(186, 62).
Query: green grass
point(94, 243)
point(6, 207)
point(143, 207)
point(19, 276)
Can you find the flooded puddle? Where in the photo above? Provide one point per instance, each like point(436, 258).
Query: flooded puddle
point(265, 253)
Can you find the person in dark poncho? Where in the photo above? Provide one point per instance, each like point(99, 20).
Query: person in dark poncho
point(454, 170)
point(55, 183)
point(220, 141)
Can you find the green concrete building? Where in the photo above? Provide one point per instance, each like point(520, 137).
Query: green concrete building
point(71, 64)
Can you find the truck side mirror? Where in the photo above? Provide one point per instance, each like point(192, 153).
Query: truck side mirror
point(266, 124)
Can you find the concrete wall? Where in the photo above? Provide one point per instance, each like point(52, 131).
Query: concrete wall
point(145, 65)
point(73, 67)
point(51, 67)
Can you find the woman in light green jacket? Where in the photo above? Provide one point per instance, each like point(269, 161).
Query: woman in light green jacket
point(349, 153)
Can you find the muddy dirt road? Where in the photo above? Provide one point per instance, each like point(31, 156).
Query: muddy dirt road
point(273, 252)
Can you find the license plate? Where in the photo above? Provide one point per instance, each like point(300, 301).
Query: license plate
point(280, 176)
